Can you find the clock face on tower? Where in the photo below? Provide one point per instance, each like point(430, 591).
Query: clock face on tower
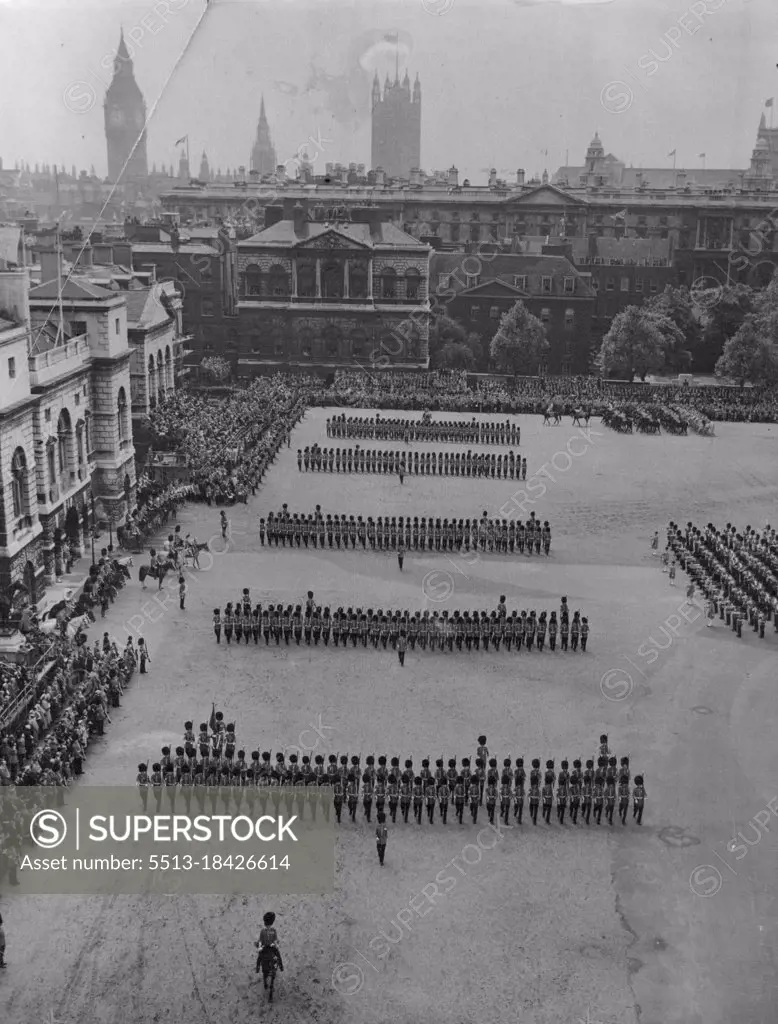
point(116, 117)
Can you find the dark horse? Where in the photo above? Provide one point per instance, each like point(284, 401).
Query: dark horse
point(156, 574)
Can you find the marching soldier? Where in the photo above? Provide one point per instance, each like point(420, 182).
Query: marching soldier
point(506, 795)
point(352, 796)
point(380, 795)
point(418, 798)
point(575, 792)
point(598, 797)
point(623, 799)
point(610, 798)
point(474, 797)
point(444, 798)
point(638, 799)
point(217, 624)
point(367, 794)
point(381, 833)
point(565, 632)
point(587, 792)
point(562, 792)
point(406, 795)
point(459, 798)
point(393, 793)
point(548, 797)
point(491, 800)
point(534, 795)
point(429, 799)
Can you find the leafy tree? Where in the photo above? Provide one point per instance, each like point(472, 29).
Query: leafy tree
point(751, 354)
point(636, 343)
point(216, 369)
point(444, 330)
point(455, 355)
point(721, 313)
point(520, 341)
point(678, 305)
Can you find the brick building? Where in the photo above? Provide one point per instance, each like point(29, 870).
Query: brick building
point(549, 286)
point(202, 265)
point(327, 294)
point(65, 423)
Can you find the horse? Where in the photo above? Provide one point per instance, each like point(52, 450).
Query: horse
point(157, 573)
point(192, 551)
point(550, 411)
point(581, 413)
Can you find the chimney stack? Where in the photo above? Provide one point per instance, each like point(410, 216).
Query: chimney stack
point(415, 176)
point(281, 173)
point(453, 177)
point(241, 173)
point(493, 178)
point(298, 215)
point(51, 265)
point(680, 179)
point(520, 176)
point(380, 177)
point(85, 257)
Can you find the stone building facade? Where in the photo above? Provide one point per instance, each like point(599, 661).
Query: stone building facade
point(66, 446)
point(155, 335)
point(321, 295)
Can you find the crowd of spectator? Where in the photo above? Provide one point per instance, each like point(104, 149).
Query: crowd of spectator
point(449, 391)
point(230, 444)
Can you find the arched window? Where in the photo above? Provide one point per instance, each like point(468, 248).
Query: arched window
point(253, 280)
point(121, 416)
point(88, 432)
point(389, 283)
point(19, 483)
point(412, 280)
point(331, 341)
point(64, 437)
point(80, 447)
point(332, 280)
point(161, 384)
point(306, 280)
point(279, 281)
point(358, 344)
point(357, 274)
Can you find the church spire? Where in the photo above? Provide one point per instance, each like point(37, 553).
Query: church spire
point(263, 154)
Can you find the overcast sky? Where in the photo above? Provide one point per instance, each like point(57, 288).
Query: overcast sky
point(501, 81)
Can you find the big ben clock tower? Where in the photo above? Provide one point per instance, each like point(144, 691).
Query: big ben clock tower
point(125, 118)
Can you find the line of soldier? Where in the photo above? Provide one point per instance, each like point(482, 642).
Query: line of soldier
point(370, 460)
point(737, 573)
point(423, 533)
point(589, 791)
point(456, 431)
point(398, 629)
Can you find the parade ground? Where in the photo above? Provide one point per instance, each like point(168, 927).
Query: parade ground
point(658, 924)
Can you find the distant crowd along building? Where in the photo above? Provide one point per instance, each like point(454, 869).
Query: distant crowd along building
point(84, 348)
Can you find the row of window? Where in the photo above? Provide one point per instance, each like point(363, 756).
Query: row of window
point(626, 285)
point(517, 280)
point(545, 314)
point(277, 283)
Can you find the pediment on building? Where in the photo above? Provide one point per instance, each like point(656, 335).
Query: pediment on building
point(546, 195)
point(332, 240)
point(495, 288)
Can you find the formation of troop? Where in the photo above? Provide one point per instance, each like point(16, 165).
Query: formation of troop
point(436, 631)
point(368, 460)
point(737, 572)
point(212, 764)
point(397, 533)
point(426, 429)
